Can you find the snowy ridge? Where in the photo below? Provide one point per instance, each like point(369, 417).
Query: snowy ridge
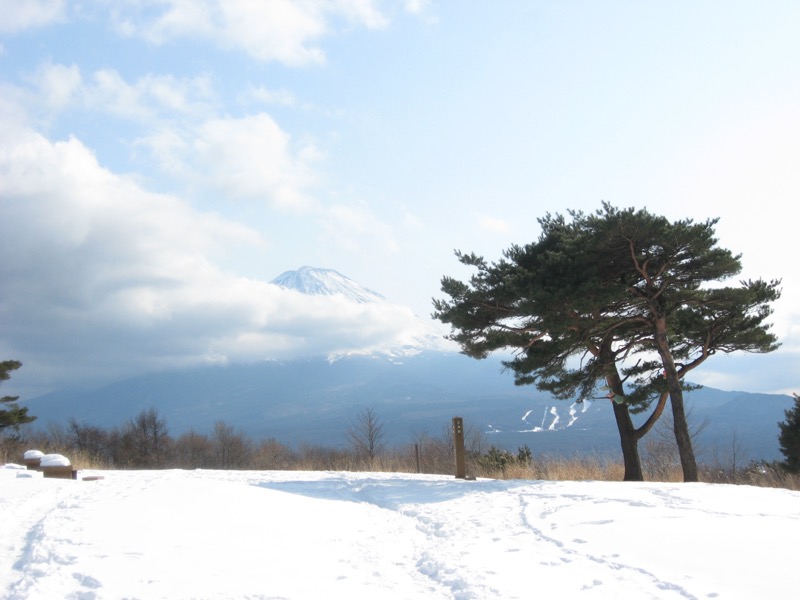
point(326, 282)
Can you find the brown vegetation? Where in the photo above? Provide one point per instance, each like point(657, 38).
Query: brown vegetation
point(144, 443)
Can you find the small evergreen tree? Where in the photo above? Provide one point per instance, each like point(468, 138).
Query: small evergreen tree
point(11, 414)
point(789, 437)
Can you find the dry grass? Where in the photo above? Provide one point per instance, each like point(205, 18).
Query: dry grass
point(436, 457)
point(759, 475)
point(13, 451)
point(556, 468)
point(559, 468)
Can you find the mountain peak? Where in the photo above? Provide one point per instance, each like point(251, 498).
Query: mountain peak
point(326, 282)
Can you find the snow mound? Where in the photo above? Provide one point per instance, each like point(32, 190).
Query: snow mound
point(55, 460)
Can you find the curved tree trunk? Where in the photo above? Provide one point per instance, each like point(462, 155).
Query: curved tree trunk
point(629, 442)
point(629, 435)
point(654, 416)
point(682, 436)
point(681, 428)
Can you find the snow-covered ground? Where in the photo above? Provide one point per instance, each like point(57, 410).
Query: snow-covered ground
point(227, 534)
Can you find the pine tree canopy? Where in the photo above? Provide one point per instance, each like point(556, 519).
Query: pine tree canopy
point(588, 293)
point(789, 437)
point(11, 414)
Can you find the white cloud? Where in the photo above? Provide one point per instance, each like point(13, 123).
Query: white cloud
point(249, 158)
point(494, 224)
point(102, 278)
point(59, 87)
point(363, 12)
point(149, 95)
point(417, 7)
point(266, 96)
point(27, 14)
point(286, 31)
point(349, 226)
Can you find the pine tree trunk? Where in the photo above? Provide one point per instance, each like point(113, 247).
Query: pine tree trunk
point(629, 440)
point(628, 436)
point(680, 427)
point(682, 437)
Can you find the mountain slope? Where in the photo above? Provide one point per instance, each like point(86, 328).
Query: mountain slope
point(406, 333)
point(326, 282)
point(313, 401)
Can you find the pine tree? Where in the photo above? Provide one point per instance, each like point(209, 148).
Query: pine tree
point(789, 437)
point(11, 414)
point(618, 297)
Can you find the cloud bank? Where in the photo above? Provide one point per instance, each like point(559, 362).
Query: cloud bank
point(102, 278)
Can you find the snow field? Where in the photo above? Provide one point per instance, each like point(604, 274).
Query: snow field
point(220, 534)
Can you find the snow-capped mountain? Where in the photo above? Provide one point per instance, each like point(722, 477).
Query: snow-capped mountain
point(410, 333)
point(326, 282)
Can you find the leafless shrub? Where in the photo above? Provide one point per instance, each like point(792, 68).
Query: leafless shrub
point(660, 458)
point(193, 450)
point(271, 455)
point(365, 436)
point(230, 449)
point(145, 440)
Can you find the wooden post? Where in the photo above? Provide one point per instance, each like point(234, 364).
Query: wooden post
point(458, 440)
point(416, 454)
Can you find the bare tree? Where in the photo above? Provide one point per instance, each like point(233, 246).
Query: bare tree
point(147, 439)
point(232, 450)
point(89, 440)
point(435, 453)
point(193, 450)
point(272, 454)
point(366, 435)
point(728, 461)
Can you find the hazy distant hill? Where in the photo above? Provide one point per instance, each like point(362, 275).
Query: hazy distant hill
point(313, 401)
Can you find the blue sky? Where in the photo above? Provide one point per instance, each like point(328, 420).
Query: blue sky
point(160, 160)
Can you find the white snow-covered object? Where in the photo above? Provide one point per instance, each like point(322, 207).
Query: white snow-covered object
point(32, 454)
point(326, 282)
point(13, 467)
point(11, 470)
point(55, 460)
